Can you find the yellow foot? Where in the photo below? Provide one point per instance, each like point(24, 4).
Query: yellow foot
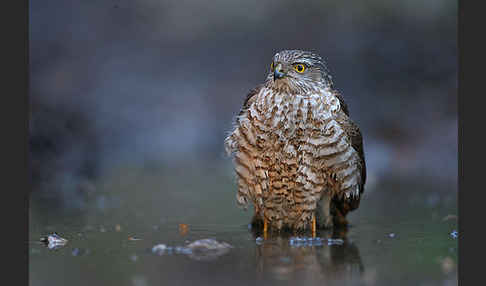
point(265, 228)
point(314, 228)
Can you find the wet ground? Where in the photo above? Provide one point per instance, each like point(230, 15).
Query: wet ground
point(402, 234)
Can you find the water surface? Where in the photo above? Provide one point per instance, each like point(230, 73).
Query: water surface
point(400, 235)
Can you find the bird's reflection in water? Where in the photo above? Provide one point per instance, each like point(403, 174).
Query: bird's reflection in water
point(332, 258)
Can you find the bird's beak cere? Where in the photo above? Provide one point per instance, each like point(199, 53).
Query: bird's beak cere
point(278, 72)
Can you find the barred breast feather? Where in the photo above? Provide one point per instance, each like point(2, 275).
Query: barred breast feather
point(289, 150)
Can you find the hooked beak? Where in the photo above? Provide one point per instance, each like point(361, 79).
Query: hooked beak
point(278, 72)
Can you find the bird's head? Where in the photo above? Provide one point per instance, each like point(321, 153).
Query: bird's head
point(298, 72)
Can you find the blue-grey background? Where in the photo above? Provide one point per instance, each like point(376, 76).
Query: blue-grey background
point(151, 82)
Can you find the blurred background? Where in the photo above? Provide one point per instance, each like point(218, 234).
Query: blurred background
point(154, 85)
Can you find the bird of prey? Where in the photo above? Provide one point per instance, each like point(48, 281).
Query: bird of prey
point(298, 156)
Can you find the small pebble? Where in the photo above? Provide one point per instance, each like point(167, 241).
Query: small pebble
point(209, 244)
point(334, 241)
point(54, 241)
point(454, 234)
point(208, 249)
point(305, 241)
point(159, 249)
point(259, 240)
point(200, 249)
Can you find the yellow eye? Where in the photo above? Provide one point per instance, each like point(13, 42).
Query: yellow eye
point(271, 66)
point(300, 68)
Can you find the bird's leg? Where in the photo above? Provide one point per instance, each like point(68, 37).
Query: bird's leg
point(324, 211)
point(265, 227)
point(313, 226)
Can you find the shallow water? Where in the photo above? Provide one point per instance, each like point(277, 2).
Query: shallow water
point(400, 235)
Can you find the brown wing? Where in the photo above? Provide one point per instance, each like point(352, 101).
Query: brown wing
point(344, 106)
point(353, 132)
point(242, 156)
point(230, 143)
point(249, 98)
